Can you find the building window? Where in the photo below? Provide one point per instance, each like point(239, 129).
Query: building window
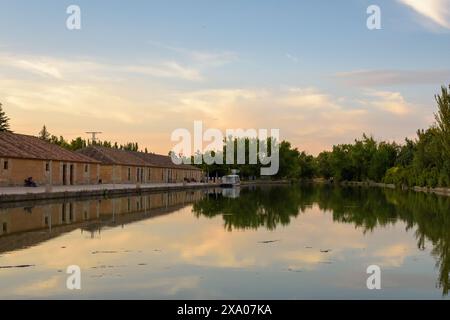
point(149, 174)
point(5, 227)
point(129, 174)
point(46, 221)
point(86, 168)
point(5, 165)
point(47, 166)
point(137, 174)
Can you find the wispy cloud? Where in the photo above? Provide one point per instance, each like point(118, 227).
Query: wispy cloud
point(307, 98)
point(291, 57)
point(392, 102)
point(70, 99)
point(437, 11)
point(369, 78)
point(201, 57)
point(64, 69)
point(37, 65)
point(87, 93)
point(170, 69)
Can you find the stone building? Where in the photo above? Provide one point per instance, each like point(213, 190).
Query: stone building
point(121, 166)
point(24, 156)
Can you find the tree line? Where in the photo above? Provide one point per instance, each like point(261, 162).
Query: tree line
point(423, 161)
point(80, 143)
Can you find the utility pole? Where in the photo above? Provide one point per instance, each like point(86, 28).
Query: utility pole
point(94, 135)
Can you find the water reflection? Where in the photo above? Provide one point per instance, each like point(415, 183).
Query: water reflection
point(367, 209)
point(28, 224)
point(208, 243)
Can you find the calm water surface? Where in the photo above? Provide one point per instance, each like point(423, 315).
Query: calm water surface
point(286, 242)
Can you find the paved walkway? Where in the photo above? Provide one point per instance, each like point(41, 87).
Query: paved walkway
point(96, 187)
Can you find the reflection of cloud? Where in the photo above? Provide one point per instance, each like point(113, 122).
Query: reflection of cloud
point(212, 247)
point(305, 257)
point(170, 286)
point(394, 255)
point(198, 255)
point(39, 287)
point(437, 11)
point(368, 78)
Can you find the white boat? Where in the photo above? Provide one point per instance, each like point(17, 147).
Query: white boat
point(230, 181)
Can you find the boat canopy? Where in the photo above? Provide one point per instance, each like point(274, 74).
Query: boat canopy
point(232, 179)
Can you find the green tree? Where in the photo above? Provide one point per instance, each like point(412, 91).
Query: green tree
point(383, 159)
point(443, 118)
point(306, 166)
point(4, 120)
point(289, 165)
point(406, 153)
point(78, 143)
point(443, 124)
point(323, 165)
point(44, 134)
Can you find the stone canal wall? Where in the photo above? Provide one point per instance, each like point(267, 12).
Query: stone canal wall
point(87, 191)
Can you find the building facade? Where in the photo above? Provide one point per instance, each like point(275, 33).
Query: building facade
point(166, 171)
point(23, 156)
point(121, 166)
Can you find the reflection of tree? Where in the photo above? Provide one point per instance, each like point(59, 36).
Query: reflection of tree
point(260, 207)
point(365, 208)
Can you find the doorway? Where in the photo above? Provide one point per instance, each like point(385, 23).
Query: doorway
point(71, 174)
point(64, 176)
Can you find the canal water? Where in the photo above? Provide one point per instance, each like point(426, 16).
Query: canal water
point(274, 242)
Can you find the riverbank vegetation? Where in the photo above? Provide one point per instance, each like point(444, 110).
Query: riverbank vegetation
point(423, 161)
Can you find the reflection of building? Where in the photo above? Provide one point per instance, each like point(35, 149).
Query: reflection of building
point(26, 226)
point(121, 166)
point(23, 156)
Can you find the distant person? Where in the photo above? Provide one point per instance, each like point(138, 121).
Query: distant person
point(28, 182)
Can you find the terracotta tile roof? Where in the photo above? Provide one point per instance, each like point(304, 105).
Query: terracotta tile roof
point(131, 158)
point(14, 145)
point(159, 160)
point(112, 156)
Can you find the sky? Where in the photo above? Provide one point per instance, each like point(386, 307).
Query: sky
point(138, 70)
